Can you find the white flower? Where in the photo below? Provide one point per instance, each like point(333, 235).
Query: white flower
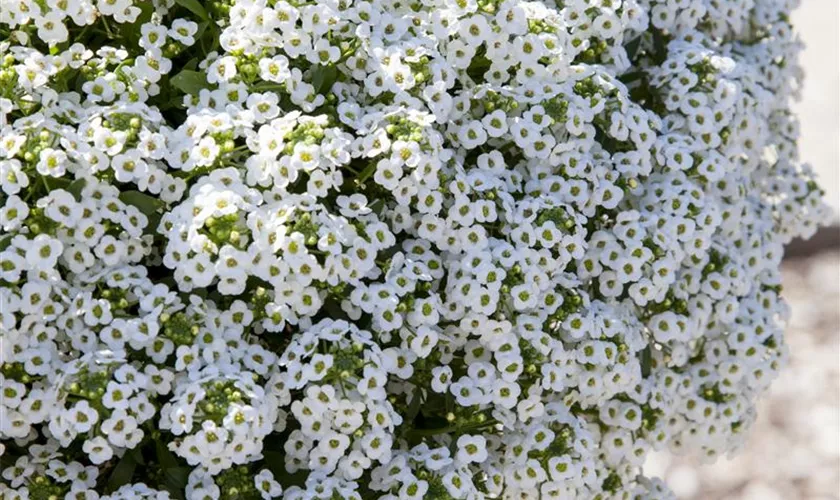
point(183, 31)
point(52, 162)
point(98, 450)
point(267, 485)
point(43, 252)
point(471, 449)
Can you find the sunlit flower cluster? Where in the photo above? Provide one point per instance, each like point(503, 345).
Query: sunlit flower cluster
point(445, 249)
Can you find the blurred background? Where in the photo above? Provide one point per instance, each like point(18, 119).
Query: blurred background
point(793, 452)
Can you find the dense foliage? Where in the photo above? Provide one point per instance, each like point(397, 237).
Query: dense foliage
point(390, 248)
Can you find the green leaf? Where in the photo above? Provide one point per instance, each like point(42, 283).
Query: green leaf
point(478, 67)
point(333, 309)
point(175, 481)
point(137, 453)
point(122, 473)
point(8, 460)
point(377, 206)
point(147, 204)
point(56, 182)
point(646, 361)
point(632, 47)
point(366, 173)
point(175, 475)
point(195, 7)
point(189, 81)
point(75, 188)
point(191, 64)
point(152, 226)
point(274, 461)
point(632, 76)
point(207, 40)
point(5, 242)
point(130, 32)
point(165, 458)
point(660, 46)
point(414, 406)
point(323, 77)
point(202, 27)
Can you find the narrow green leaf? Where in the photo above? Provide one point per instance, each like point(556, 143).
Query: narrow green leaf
point(366, 173)
point(195, 7)
point(660, 46)
point(130, 32)
point(323, 77)
point(202, 27)
point(478, 67)
point(56, 182)
point(189, 81)
point(75, 188)
point(165, 458)
point(153, 223)
point(191, 64)
point(377, 206)
point(333, 308)
point(207, 40)
point(176, 477)
point(632, 47)
point(138, 456)
point(646, 361)
point(414, 406)
point(122, 473)
point(274, 461)
point(149, 206)
point(8, 459)
point(5, 242)
point(145, 203)
point(632, 76)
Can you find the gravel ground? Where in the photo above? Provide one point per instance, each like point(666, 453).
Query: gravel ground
point(818, 24)
point(793, 451)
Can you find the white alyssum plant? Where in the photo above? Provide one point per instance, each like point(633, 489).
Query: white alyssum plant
point(380, 249)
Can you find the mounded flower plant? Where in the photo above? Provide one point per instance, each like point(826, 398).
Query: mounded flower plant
point(347, 249)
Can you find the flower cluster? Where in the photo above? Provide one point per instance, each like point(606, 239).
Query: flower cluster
point(389, 249)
